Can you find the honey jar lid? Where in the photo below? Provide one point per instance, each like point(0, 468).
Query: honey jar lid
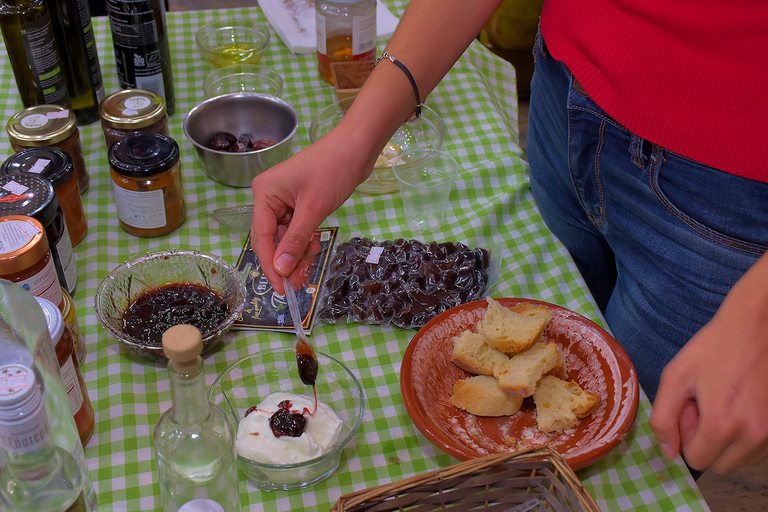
point(30, 195)
point(182, 344)
point(53, 319)
point(49, 162)
point(143, 154)
point(22, 243)
point(41, 125)
point(131, 109)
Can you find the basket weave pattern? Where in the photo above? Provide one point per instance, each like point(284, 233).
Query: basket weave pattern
point(493, 483)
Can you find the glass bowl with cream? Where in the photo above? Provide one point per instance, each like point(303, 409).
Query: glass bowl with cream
point(285, 440)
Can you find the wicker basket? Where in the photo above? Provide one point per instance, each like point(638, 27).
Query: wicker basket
point(536, 479)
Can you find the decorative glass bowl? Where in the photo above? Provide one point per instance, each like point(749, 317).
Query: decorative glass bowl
point(250, 380)
point(133, 278)
point(233, 40)
point(243, 78)
point(427, 131)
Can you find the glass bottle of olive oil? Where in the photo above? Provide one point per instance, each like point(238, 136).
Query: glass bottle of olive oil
point(33, 51)
point(72, 22)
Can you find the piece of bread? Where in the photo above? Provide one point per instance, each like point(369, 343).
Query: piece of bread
point(560, 404)
point(508, 331)
point(519, 375)
point(481, 395)
point(528, 309)
point(472, 353)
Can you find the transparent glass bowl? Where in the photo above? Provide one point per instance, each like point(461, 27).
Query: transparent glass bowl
point(131, 279)
point(243, 78)
point(250, 380)
point(427, 131)
point(233, 40)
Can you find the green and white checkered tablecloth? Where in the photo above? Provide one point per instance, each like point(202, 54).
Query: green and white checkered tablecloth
point(490, 205)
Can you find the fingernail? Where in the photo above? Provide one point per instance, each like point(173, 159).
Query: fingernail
point(668, 451)
point(285, 263)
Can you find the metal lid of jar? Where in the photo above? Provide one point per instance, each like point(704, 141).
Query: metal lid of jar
point(143, 154)
point(30, 195)
point(131, 109)
point(30, 244)
point(41, 125)
point(50, 163)
point(53, 318)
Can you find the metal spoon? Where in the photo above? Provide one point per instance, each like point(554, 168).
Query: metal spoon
point(305, 354)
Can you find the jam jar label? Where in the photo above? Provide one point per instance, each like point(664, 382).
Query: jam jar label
point(139, 209)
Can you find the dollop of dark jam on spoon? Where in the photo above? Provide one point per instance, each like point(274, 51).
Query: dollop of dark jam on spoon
point(286, 423)
point(307, 368)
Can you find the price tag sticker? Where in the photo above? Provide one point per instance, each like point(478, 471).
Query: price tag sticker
point(374, 255)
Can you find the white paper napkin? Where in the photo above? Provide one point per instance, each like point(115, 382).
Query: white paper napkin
point(294, 22)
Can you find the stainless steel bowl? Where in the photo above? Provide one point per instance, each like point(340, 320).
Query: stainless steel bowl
point(261, 115)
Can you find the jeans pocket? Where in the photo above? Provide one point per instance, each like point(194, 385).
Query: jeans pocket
point(726, 209)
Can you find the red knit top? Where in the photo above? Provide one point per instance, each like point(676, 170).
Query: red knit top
point(688, 75)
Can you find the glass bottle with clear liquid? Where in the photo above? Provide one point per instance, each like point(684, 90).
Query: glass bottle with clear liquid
point(194, 441)
point(38, 475)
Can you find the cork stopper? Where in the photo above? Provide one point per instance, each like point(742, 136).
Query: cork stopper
point(182, 344)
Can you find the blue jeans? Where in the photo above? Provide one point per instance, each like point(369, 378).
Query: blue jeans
point(659, 239)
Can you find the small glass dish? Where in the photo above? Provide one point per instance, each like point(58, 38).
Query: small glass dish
point(243, 78)
point(233, 40)
point(427, 131)
point(250, 380)
point(128, 281)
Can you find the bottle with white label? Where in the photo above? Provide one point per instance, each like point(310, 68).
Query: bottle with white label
point(346, 30)
point(140, 41)
point(38, 475)
point(69, 365)
point(194, 441)
point(24, 340)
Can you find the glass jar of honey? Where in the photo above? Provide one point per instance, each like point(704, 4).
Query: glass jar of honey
point(147, 184)
point(27, 194)
point(25, 258)
point(55, 166)
point(70, 321)
point(49, 125)
point(71, 374)
point(132, 110)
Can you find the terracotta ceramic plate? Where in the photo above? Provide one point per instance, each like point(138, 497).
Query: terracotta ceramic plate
point(594, 359)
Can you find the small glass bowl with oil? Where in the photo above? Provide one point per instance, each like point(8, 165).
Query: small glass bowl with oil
point(233, 41)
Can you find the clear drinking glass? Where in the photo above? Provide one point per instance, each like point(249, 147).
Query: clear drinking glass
point(425, 177)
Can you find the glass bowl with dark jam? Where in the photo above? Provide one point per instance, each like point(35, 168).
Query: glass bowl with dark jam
point(141, 298)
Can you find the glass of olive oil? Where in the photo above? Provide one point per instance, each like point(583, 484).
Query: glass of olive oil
point(233, 41)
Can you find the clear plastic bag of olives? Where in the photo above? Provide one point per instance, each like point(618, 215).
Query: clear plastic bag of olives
point(403, 282)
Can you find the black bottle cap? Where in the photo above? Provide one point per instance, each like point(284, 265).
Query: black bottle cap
point(26, 194)
point(143, 154)
point(50, 163)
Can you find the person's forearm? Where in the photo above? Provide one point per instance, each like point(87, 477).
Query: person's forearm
point(430, 37)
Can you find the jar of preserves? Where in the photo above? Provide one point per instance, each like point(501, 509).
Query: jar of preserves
point(49, 125)
point(26, 194)
point(146, 180)
point(71, 374)
point(25, 258)
point(70, 321)
point(132, 110)
point(56, 166)
point(346, 30)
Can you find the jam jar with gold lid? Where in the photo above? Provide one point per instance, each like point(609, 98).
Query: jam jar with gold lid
point(55, 166)
point(132, 110)
point(49, 125)
point(147, 184)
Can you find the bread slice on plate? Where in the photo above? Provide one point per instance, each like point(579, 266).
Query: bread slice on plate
point(481, 395)
point(560, 404)
point(519, 375)
point(472, 353)
point(509, 331)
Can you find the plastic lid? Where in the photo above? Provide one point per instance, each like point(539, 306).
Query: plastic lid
point(19, 393)
point(28, 243)
point(30, 195)
point(41, 125)
point(131, 109)
point(53, 319)
point(143, 154)
point(48, 162)
point(182, 344)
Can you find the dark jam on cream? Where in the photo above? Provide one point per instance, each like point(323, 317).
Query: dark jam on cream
point(153, 312)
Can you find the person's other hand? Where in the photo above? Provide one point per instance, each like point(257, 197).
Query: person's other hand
point(293, 198)
point(712, 402)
